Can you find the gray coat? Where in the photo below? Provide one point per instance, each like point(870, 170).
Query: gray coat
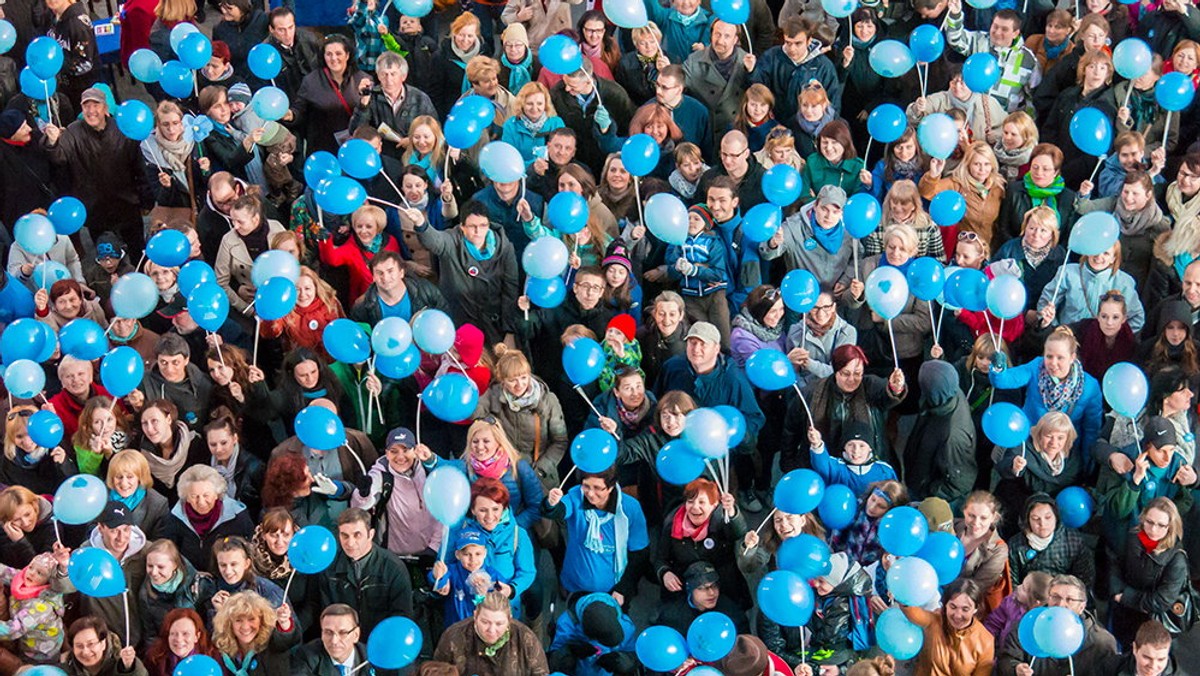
point(831, 269)
point(820, 350)
point(538, 432)
point(721, 94)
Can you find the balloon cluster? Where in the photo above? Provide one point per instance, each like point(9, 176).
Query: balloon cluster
point(710, 637)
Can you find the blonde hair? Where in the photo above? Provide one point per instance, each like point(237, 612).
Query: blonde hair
point(1175, 522)
point(325, 293)
point(904, 190)
point(129, 461)
point(977, 149)
point(1054, 421)
point(985, 347)
point(174, 11)
point(15, 425)
point(510, 363)
point(650, 29)
point(530, 89)
point(83, 434)
point(1025, 125)
point(1044, 216)
point(439, 140)
point(574, 331)
point(238, 606)
point(481, 66)
point(1116, 264)
point(280, 238)
point(1090, 58)
point(15, 497)
point(814, 94)
point(496, 602)
point(883, 665)
point(1066, 335)
point(514, 457)
point(377, 216)
point(905, 233)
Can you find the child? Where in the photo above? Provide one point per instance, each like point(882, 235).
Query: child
point(1031, 594)
point(369, 25)
point(277, 142)
point(621, 349)
point(621, 289)
point(858, 467)
point(468, 579)
point(689, 167)
point(700, 268)
point(21, 263)
point(841, 622)
point(36, 606)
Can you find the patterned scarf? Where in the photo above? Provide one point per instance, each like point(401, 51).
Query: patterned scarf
point(1048, 195)
point(266, 563)
point(814, 128)
point(528, 400)
point(1035, 256)
point(491, 650)
point(1060, 395)
point(1142, 108)
point(492, 468)
point(632, 417)
point(756, 328)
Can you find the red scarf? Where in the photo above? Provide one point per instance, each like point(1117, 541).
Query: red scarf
point(1147, 544)
point(203, 523)
point(19, 144)
point(492, 468)
point(682, 528)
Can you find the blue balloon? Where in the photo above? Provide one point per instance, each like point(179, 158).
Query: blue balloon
point(35, 87)
point(8, 36)
point(677, 464)
point(168, 248)
point(1132, 58)
point(197, 665)
point(275, 299)
point(782, 185)
point(897, 636)
point(761, 221)
point(134, 295)
point(967, 288)
point(451, 397)
point(1005, 296)
point(320, 166)
point(96, 573)
point(121, 371)
point(1091, 131)
point(176, 79)
point(799, 491)
point(891, 58)
point(49, 343)
point(1125, 389)
point(22, 339)
point(838, 506)
point(943, 551)
point(1059, 632)
point(35, 233)
point(399, 367)
point(785, 598)
point(546, 293)
point(447, 494)
point(359, 159)
point(926, 277)
point(887, 121)
point(640, 154)
point(1075, 506)
point(271, 104)
point(46, 273)
point(145, 65)
point(195, 50)
point(800, 290)
point(346, 342)
point(209, 306)
point(545, 257)
point(194, 274)
point(926, 44)
point(179, 32)
point(319, 428)
point(1005, 424)
point(568, 212)
point(274, 263)
point(312, 550)
point(45, 429)
point(706, 433)
point(67, 214)
point(582, 361)
point(839, 9)
point(433, 331)
point(735, 421)
point(806, 555)
point(79, 500)
point(667, 218)
point(394, 643)
point(1173, 91)
point(44, 57)
point(736, 12)
point(981, 72)
point(862, 214)
point(769, 369)
point(902, 531)
point(711, 635)
point(340, 195)
point(467, 121)
point(414, 8)
point(947, 208)
point(24, 379)
point(660, 648)
point(938, 135)
point(264, 61)
point(594, 450)
point(887, 291)
point(912, 581)
point(1094, 233)
point(391, 337)
point(84, 339)
point(1025, 633)
point(560, 55)
point(501, 162)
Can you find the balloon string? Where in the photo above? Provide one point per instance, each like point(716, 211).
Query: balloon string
point(568, 476)
point(388, 204)
point(892, 335)
point(1128, 95)
point(125, 601)
point(217, 344)
point(364, 664)
point(288, 586)
point(592, 406)
point(766, 520)
point(1099, 161)
point(1000, 337)
point(446, 171)
point(803, 402)
point(855, 245)
point(1062, 272)
point(637, 196)
point(418, 420)
point(257, 332)
point(749, 40)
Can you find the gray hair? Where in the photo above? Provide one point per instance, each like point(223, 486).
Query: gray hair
point(390, 60)
point(198, 473)
point(68, 361)
point(670, 297)
point(1070, 581)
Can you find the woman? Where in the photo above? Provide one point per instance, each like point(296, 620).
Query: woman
point(235, 574)
point(492, 643)
point(1176, 249)
point(864, 89)
point(96, 651)
point(1047, 463)
point(578, 179)
point(322, 107)
point(1152, 574)
point(28, 526)
point(290, 484)
point(637, 71)
point(706, 527)
point(754, 117)
point(510, 551)
point(986, 554)
point(596, 44)
point(439, 208)
point(1043, 184)
point(204, 514)
point(269, 552)
point(316, 306)
point(616, 188)
point(171, 585)
point(658, 122)
point(977, 178)
point(130, 483)
point(1140, 218)
point(1074, 293)
point(182, 635)
point(663, 336)
point(1018, 136)
point(101, 433)
point(1038, 254)
point(955, 640)
point(229, 368)
point(1045, 544)
point(242, 471)
point(535, 118)
point(252, 637)
point(394, 498)
point(368, 223)
point(860, 539)
point(1106, 338)
point(246, 240)
point(756, 556)
point(303, 377)
point(489, 454)
point(429, 152)
point(984, 113)
point(243, 26)
point(1173, 347)
point(814, 112)
point(1142, 112)
point(462, 45)
point(64, 302)
point(168, 445)
point(171, 13)
point(528, 411)
point(25, 463)
point(778, 148)
point(902, 161)
point(758, 325)
point(811, 342)
point(227, 147)
point(836, 162)
point(170, 167)
point(518, 64)
point(903, 206)
point(847, 394)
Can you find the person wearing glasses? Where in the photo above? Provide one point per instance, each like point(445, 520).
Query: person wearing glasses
point(1099, 646)
point(339, 649)
point(738, 164)
point(811, 342)
point(545, 326)
point(689, 114)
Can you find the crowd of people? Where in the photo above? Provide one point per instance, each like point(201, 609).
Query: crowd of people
point(557, 569)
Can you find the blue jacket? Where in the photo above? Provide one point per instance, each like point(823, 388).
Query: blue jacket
point(1086, 414)
point(678, 38)
point(786, 78)
point(570, 632)
point(856, 477)
point(510, 551)
point(1112, 178)
point(708, 252)
point(880, 186)
point(586, 570)
point(524, 490)
point(744, 264)
point(725, 384)
point(519, 136)
point(16, 300)
point(460, 602)
point(504, 215)
point(1082, 287)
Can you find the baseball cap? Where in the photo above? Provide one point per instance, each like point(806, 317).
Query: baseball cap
point(94, 95)
point(401, 436)
point(469, 537)
point(116, 514)
point(704, 331)
point(1160, 432)
point(832, 194)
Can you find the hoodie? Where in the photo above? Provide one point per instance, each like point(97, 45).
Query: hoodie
point(133, 564)
point(841, 617)
point(939, 460)
point(570, 632)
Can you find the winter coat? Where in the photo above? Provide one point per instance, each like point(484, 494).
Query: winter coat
point(1153, 132)
point(112, 609)
point(1085, 413)
point(786, 78)
point(910, 327)
point(1150, 582)
point(302, 58)
point(1067, 554)
point(856, 477)
point(81, 59)
point(196, 548)
point(104, 166)
point(319, 111)
point(234, 263)
point(1034, 279)
point(191, 396)
point(194, 591)
point(725, 384)
point(524, 489)
point(1080, 292)
point(483, 293)
point(378, 586)
point(1137, 251)
point(582, 118)
point(986, 116)
point(242, 36)
point(830, 269)
point(981, 211)
point(718, 547)
point(986, 564)
point(1020, 71)
point(421, 294)
point(461, 646)
point(527, 142)
point(396, 502)
point(503, 216)
point(110, 665)
point(1056, 128)
point(1017, 202)
point(27, 181)
point(1163, 30)
point(36, 624)
point(275, 658)
point(41, 539)
point(1099, 647)
point(510, 550)
point(940, 452)
point(1038, 476)
point(707, 253)
point(569, 633)
point(538, 432)
point(946, 651)
point(379, 111)
point(820, 349)
point(721, 94)
point(354, 257)
point(831, 410)
point(837, 616)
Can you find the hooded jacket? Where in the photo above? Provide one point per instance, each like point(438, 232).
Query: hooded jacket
point(570, 632)
point(939, 459)
point(838, 613)
point(725, 384)
point(112, 608)
point(856, 477)
point(523, 654)
point(196, 548)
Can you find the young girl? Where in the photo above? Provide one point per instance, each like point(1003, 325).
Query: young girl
point(1018, 136)
point(754, 117)
point(699, 267)
point(621, 289)
point(836, 162)
point(902, 161)
point(1074, 293)
point(101, 433)
point(1031, 594)
point(903, 205)
point(36, 606)
point(858, 466)
point(621, 349)
point(689, 167)
point(235, 573)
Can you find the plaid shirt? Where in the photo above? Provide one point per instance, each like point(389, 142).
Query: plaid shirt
point(366, 35)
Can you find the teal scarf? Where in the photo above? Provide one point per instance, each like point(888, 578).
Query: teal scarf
point(489, 247)
point(170, 586)
point(248, 662)
point(519, 74)
point(594, 540)
point(831, 239)
point(132, 501)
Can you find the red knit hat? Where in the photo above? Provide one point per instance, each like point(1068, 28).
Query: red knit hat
point(625, 324)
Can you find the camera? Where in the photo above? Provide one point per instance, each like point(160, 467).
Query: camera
point(370, 91)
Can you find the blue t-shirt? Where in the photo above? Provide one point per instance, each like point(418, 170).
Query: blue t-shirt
point(587, 570)
point(403, 309)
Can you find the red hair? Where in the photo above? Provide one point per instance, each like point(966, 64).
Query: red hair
point(846, 354)
point(702, 486)
point(492, 489)
point(285, 473)
point(159, 652)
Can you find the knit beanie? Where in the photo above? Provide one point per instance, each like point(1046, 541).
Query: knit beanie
point(704, 213)
point(617, 253)
point(239, 93)
point(625, 324)
point(515, 33)
point(10, 122)
point(602, 624)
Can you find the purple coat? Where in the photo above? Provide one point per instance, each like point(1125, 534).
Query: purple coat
point(1004, 618)
point(742, 344)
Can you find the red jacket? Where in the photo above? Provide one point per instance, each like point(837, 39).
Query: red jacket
point(137, 19)
point(351, 255)
point(68, 409)
point(304, 326)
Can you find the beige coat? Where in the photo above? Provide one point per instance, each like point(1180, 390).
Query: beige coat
point(549, 17)
point(233, 265)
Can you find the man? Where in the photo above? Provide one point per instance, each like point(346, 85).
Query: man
point(391, 491)
point(1184, 305)
point(176, 378)
point(1150, 656)
point(71, 27)
point(424, 63)
point(787, 68)
point(1129, 155)
point(492, 643)
point(815, 239)
point(594, 636)
point(78, 385)
point(1020, 71)
point(392, 294)
point(300, 50)
point(392, 105)
point(690, 115)
point(745, 265)
point(346, 464)
point(365, 576)
point(339, 650)
point(684, 26)
point(213, 220)
point(514, 212)
point(702, 585)
point(719, 74)
point(1099, 646)
point(560, 151)
point(26, 181)
point(584, 102)
point(130, 332)
point(712, 379)
point(738, 163)
point(116, 534)
point(105, 168)
point(544, 326)
point(939, 460)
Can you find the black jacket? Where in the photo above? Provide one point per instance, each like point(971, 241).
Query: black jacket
point(679, 614)
point(81, 59)
point(302, 58)
point(105, 166)
point(26, 179)
point(235, 520)
point(241, 38)
point(379, 111)
point(939, 459)
point(421, 294)
point(582, 120)
point(427, 69)
point(718, 548)
point(378, 586)
point(311, 659)
point(248, 474)
point(1150, 582)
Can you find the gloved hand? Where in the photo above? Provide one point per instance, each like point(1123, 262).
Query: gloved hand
point(999, 361)
point(603, 119)
point(324, 485)
point(617, 663)
point(685, 267)
point(581, 651)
